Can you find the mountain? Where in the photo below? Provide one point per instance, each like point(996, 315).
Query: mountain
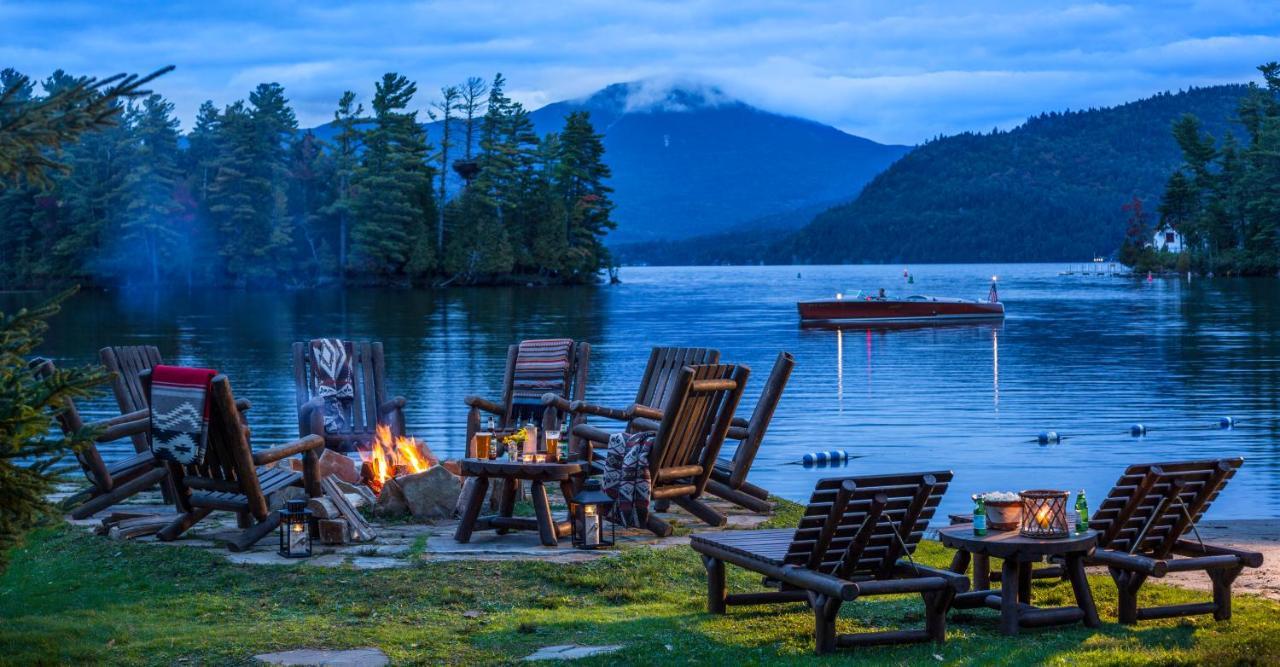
point(687, 159)
point(1049, 190)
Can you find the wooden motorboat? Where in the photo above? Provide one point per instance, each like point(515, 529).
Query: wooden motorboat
point(866, 308)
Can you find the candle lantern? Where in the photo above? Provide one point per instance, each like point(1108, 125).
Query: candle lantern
point(590, 510)
point(1044, 514)
point(295, 532)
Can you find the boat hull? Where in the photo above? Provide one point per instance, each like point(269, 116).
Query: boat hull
point(836, 311)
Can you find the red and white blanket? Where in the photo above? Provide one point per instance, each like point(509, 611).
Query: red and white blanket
point(180, 413)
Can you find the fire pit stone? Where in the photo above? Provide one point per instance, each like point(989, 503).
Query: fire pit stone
point(391, 500)
point(432, 494)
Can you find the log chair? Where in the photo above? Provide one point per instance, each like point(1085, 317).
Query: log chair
point(855, 540)
point(235, 478)
point(729, 477)
point(690, 431)
point(1142, 527)
point(369, 408)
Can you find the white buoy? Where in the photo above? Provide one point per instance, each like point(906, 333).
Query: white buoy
point(1138, 430)
point(824, 458)
point(1226, 422)
point(1048, 437)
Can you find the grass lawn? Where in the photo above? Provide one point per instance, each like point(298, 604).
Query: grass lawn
point(71, 597)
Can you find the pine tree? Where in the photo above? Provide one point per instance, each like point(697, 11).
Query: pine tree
point(580, 181)
point(395, 205)
point(310, 172)
point(347, 144)
point(450, 98)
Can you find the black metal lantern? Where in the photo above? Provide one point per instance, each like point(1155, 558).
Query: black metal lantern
point(1044, 514)
point(295, 529)
point(590, 510)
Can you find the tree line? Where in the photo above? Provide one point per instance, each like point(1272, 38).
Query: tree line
point(247, 198)
point(1224, 199)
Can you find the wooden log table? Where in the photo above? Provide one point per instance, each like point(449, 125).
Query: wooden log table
point(538, 474)
point(1019, 554)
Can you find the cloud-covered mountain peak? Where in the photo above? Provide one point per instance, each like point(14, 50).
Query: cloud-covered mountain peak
point(672, 95)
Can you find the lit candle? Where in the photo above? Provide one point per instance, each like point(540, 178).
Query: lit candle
point(1042, 517)
point(590, 525)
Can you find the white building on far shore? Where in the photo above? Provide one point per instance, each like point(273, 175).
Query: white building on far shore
point(1168, 239)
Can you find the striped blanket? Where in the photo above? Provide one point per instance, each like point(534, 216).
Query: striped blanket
point(541, 366)
point(332, 369)
point(627, 479)
point(180, 413)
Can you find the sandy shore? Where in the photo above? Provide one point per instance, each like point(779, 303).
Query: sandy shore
point(1254, 534)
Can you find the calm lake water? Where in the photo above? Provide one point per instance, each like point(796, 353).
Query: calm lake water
point(1084, 356)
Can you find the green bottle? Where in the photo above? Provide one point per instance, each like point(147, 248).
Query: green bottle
point(1082, 513)
point(979, 516)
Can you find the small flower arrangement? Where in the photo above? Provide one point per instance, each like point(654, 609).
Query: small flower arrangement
point(514, 438)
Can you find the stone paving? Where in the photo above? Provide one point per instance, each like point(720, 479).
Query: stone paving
point(401, 544)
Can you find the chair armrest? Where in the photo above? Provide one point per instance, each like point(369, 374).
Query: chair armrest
point(583, 407)
point(483, 404)
point(1131, 562)
point(591, 433)
point(959, 582)
point(645, 411)
point(243, 404)
point(739, 422)
point(121, 429)
point(309, 443)
point(642, 424)
point(392, 405)
point(737, 433)
point(557, 401)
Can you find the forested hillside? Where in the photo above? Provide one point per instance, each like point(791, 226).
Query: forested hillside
point(1049, 190)
point(250, 200)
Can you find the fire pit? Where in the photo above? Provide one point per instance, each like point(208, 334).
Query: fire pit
point(407, 478)
point(389, 457)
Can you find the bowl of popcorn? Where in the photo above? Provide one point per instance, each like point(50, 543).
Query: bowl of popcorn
point(1004, 510)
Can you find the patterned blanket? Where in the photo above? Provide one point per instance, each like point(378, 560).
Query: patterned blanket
point(626, 477)
point(541, 366)
point(180, 413)
point(332, 369)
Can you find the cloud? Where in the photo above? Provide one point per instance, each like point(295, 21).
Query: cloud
point(899, 73)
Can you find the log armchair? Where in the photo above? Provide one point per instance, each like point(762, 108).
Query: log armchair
point(108, 483)
point(1143, 525)
point(369, 407)
point(125, 363)
point(729, 477)
point(855, 540)
point(690, 432)
point(509, 413)
point(235, 478)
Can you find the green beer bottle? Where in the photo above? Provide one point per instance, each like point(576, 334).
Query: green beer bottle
point(979, 516)
point(1082, 513)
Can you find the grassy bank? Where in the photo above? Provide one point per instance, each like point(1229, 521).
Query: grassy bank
point(70, 597)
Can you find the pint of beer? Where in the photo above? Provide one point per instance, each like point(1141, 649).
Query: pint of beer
point(480, 445)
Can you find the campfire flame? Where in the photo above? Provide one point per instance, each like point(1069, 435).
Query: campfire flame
point(391, 456)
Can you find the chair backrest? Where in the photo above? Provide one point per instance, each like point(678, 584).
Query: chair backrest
point(694, 424)
point(1152, 505)
point(89, 458)
point(126, 362)
point(228, 458)
point(664, 365)
point(575, 382)
point(761, 416)
point(848, 528)
point(368, 379)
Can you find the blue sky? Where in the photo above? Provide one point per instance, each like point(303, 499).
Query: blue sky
point(891, 71)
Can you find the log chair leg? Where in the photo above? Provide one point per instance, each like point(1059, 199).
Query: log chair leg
point(507, 504)
point(92, 506)
point(542, 510)
point(825, 610)
point(1024, 583)
point(981, 572)
point(1222, 580)
point(716, 594)
point(243, 520)
point(703, 511)
point(960, 561)
point(661, 505)
point(936, 604)
point(1080, 586)
point(1009, 577)
point(738, 498)
point(311, 473)
point(178, 526)
point(1127, 585)
point(475, 501)
point(658, 526)
point(257, 531)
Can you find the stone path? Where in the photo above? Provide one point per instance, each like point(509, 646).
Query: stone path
point(310, 657)
point(403, 544)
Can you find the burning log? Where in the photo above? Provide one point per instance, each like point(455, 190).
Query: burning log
point(389, 457)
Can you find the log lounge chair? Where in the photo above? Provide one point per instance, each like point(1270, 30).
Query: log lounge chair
point(510, 412)
point(369, 408)
point(729, 477)
point(850, 543)
point(1142, 528)
point(690, 433)
point(108, 483)
point(235, 478)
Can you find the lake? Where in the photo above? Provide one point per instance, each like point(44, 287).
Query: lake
point(1083, 356)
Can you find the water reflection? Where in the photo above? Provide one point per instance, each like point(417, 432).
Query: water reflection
point(1085, 356)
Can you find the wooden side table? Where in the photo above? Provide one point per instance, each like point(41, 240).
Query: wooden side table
point(549, 530)
point(1019, 554)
